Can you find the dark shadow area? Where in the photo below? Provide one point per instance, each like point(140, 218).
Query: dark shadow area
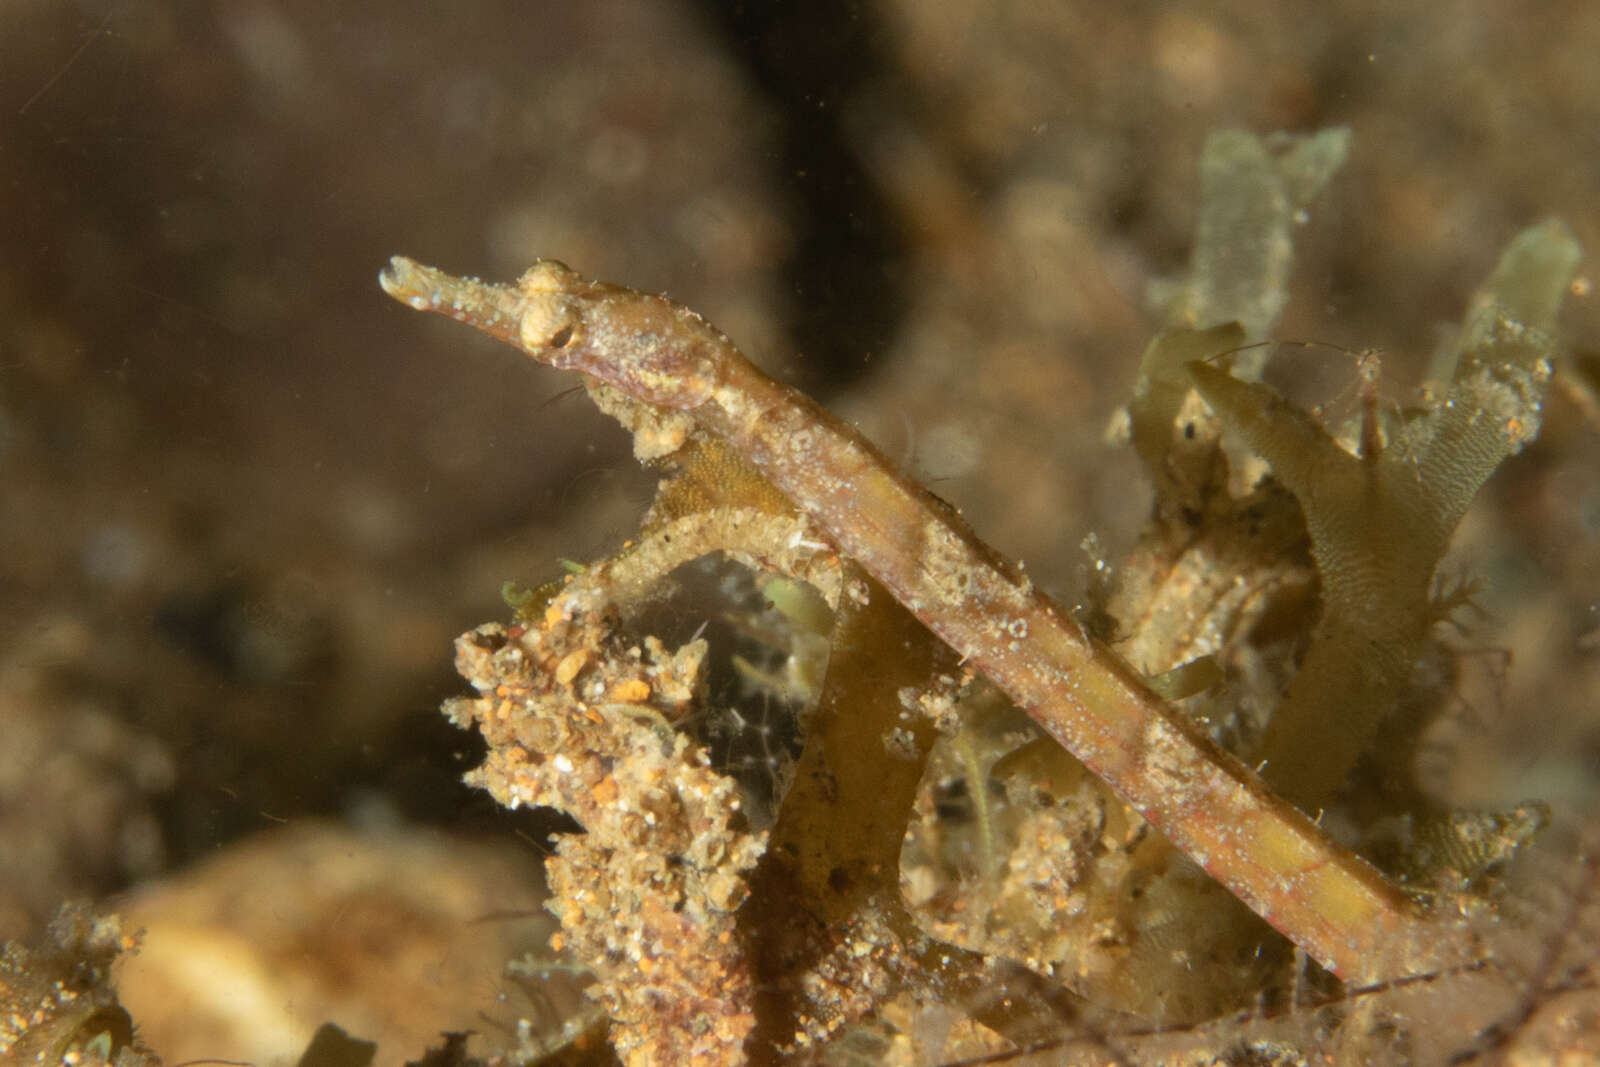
point(848, 269)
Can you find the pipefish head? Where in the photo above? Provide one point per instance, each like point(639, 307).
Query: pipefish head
point(648, 347)
point(645, 345)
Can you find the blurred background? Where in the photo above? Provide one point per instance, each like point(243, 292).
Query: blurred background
point(246, 501)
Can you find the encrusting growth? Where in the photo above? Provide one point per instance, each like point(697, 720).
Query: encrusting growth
point(582, 716)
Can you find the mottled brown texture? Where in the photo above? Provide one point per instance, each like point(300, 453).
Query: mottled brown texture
point(578, 719)
point(1051, 870)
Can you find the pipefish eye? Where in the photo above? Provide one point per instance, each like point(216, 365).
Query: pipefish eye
point(549, 320)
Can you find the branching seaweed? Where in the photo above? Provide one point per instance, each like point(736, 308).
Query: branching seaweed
point(1253, 193)
point(1380, 521)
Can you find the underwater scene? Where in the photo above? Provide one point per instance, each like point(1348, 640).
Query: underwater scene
point(946, 533)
